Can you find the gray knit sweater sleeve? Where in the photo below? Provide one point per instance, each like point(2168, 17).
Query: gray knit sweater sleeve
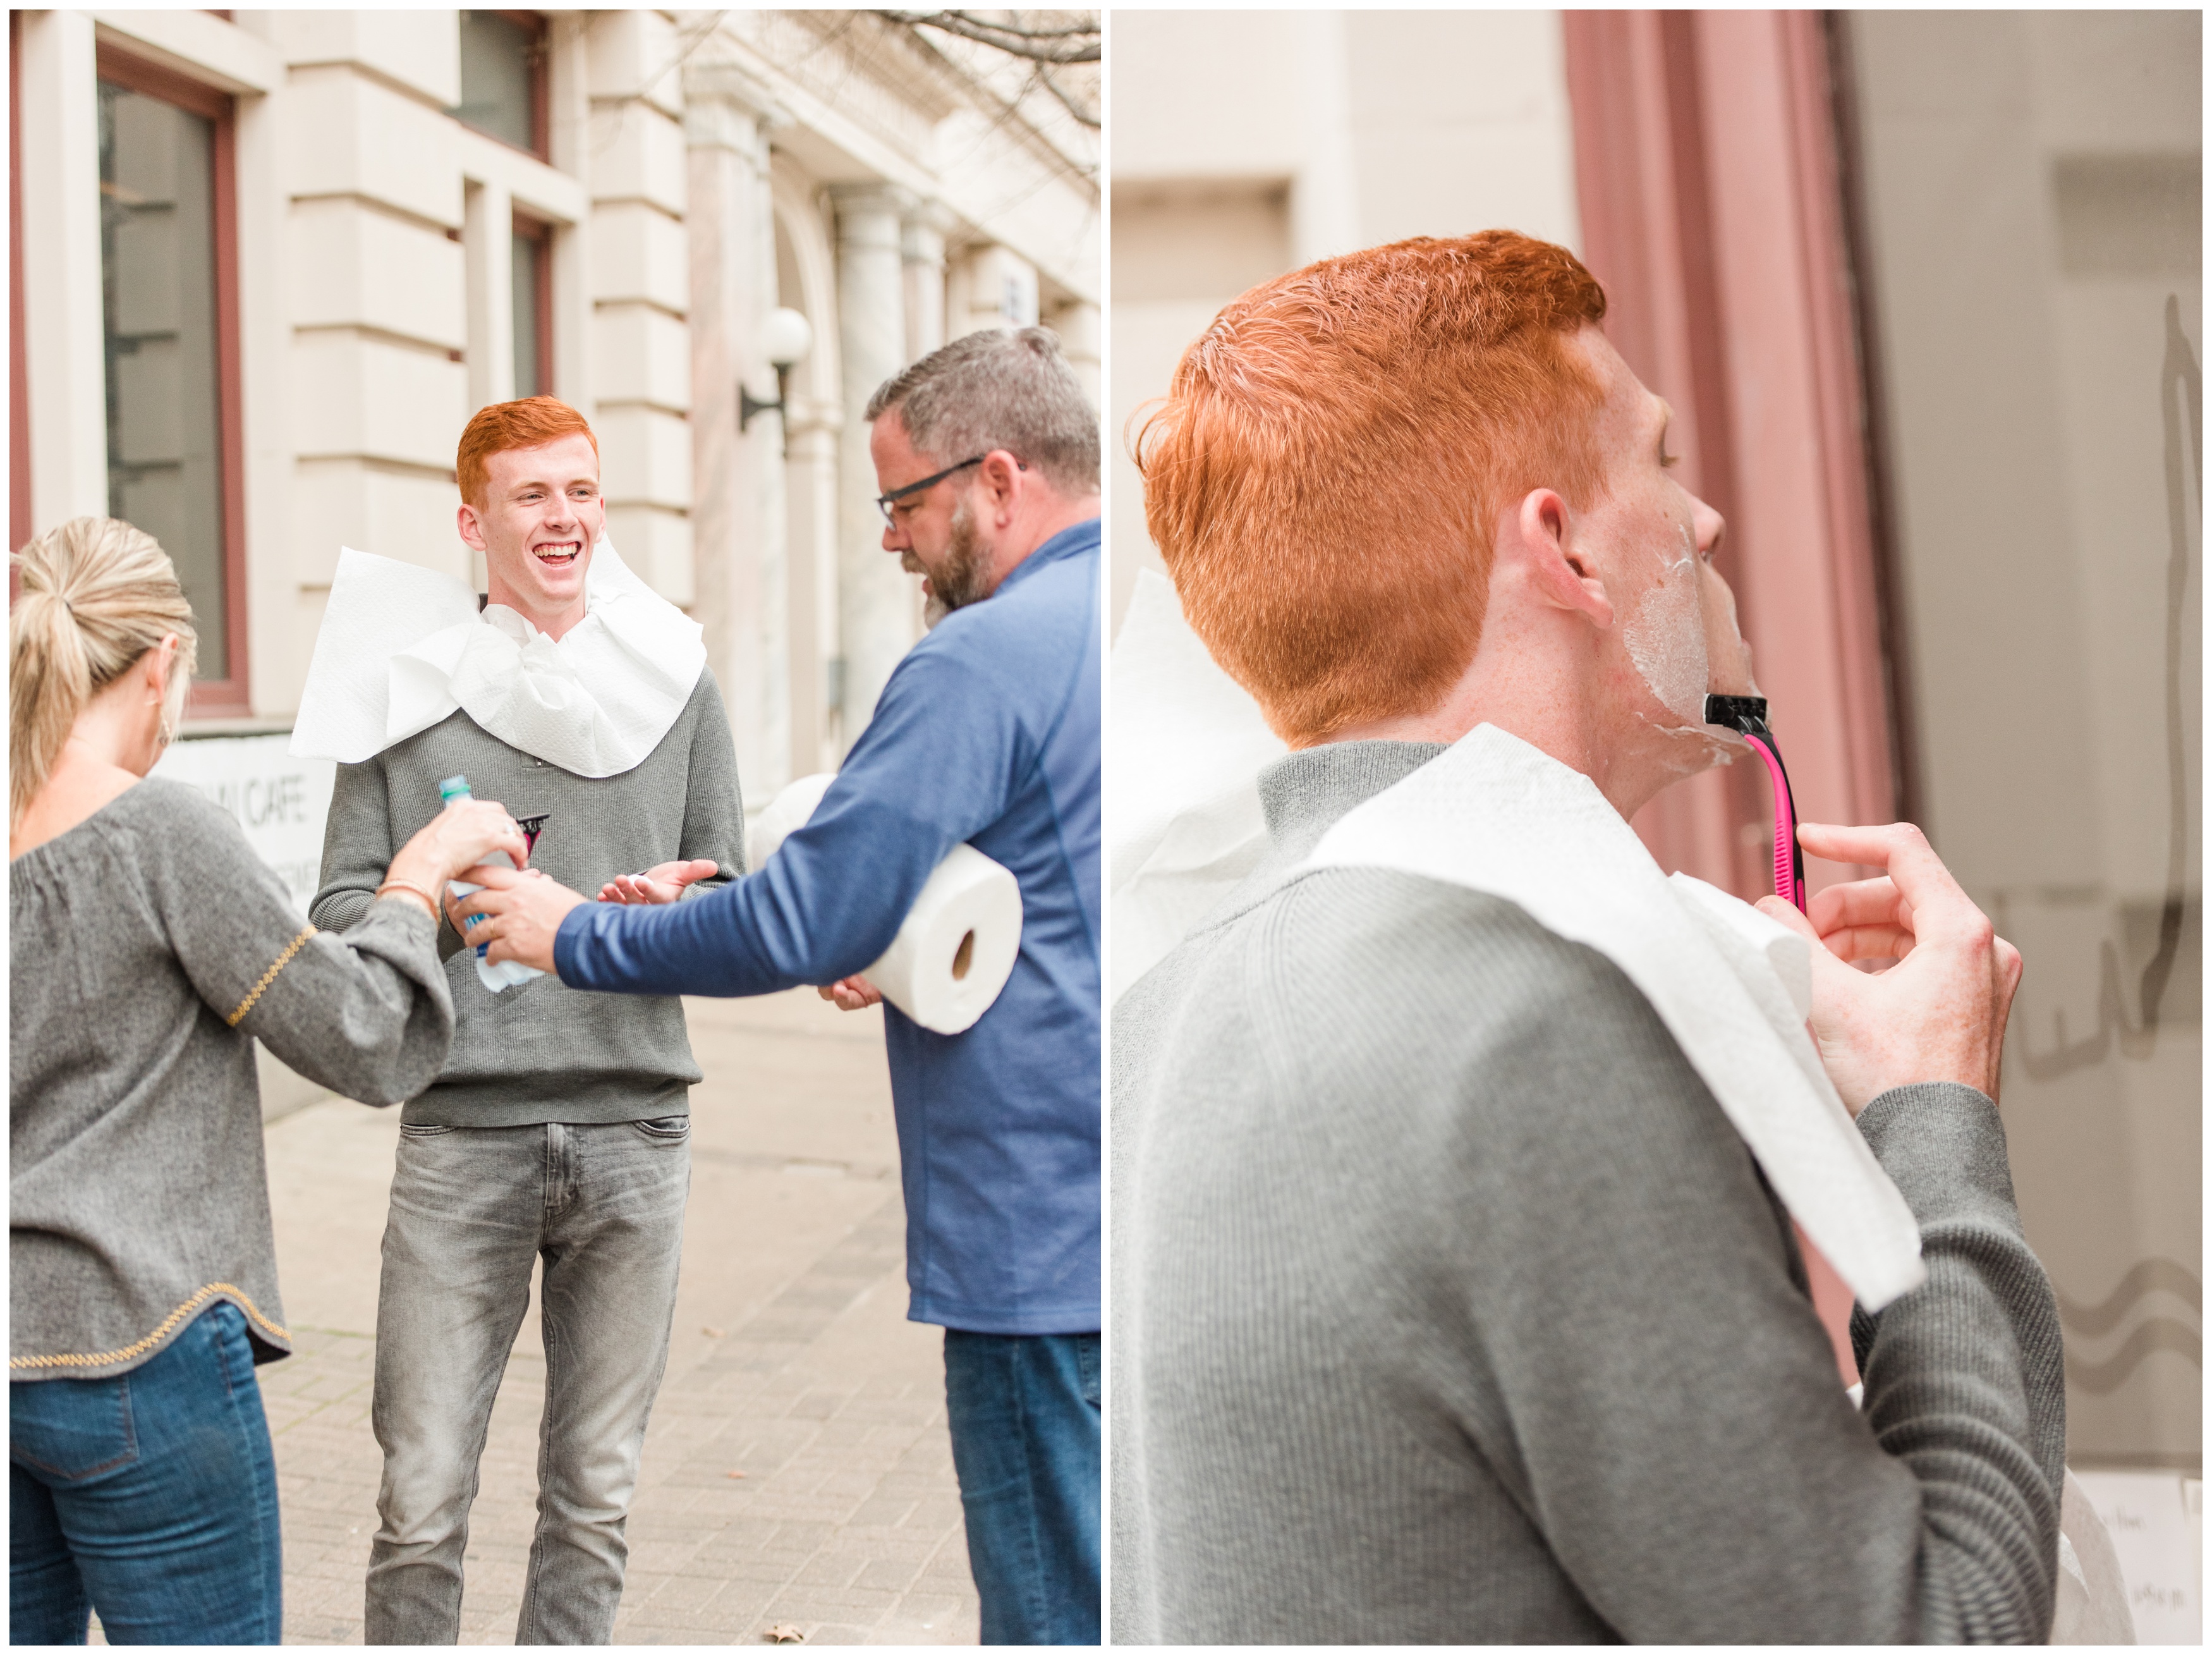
point(357, 848)
point(1450, 1307)
point(149, 948)
point(369, 1017)
point(714, 812)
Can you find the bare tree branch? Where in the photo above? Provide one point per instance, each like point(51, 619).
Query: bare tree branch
point(1087, 116)
point(1078, 43)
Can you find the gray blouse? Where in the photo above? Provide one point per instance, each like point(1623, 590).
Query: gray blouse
point(148, 949)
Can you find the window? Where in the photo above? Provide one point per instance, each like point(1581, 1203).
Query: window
point(503, 77)
point(170, 332)
point(533, 306)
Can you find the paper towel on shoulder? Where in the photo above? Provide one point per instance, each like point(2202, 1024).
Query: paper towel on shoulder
point(957, 947)
point(1183, 771)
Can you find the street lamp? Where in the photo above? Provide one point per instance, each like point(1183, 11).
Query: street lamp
point(785, 338)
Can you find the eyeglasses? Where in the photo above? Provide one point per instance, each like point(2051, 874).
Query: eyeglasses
point(885, 502)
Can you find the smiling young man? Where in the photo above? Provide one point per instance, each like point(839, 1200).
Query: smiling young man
point(559, 1128)
point(1456, 1153)
point(988, 733)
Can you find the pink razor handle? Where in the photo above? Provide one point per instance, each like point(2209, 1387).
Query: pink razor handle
point(1746, 715)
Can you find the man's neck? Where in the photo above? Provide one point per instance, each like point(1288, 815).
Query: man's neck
point(1555, 699)
point(1061, 516)
point(553, 624)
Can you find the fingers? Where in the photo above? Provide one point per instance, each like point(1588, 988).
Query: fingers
point(1940, 908)
point(1861, 902)
point(1852, 942)
point(1786, 914)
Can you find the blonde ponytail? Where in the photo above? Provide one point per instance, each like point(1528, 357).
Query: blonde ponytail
point(97, 594)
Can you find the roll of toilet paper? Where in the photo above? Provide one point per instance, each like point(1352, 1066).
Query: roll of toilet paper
point(957, 947)
point(784, 815)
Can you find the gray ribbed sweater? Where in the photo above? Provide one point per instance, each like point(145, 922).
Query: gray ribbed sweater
point(1449, 1307)
point(137, 1195)
point(542, 1051)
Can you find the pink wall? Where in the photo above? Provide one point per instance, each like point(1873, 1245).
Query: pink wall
point(1712, 211)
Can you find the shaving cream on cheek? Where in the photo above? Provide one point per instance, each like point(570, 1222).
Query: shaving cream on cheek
point(1665, 639)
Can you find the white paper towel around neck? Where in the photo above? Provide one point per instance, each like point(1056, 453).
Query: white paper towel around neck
point(1497, 815)
point(957, 947)
point(401, 647)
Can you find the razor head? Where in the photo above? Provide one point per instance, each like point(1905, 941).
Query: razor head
point(532, 826)
point(1731, 712)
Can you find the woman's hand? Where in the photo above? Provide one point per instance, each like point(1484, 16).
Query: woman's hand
point(456, 840)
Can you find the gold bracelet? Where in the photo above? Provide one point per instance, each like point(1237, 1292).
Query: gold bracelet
point(409, 885)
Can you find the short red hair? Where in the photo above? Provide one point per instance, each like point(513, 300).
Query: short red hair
point(500, 426)
point(1330, 467)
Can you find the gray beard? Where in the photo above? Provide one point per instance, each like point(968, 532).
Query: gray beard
point(966, 569)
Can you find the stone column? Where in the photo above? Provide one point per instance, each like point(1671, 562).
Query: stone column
point(875, 605)
point(1077, 324)
point(922, 248)
point(64, 341)
point(739, 556)
point(1000, 290)
point(487, 244)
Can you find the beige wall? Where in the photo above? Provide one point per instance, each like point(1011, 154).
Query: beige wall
point(1247, 143)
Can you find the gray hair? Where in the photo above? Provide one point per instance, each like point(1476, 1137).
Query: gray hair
point(998, 389)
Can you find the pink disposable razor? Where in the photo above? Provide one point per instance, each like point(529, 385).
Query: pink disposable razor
point(1746, 715)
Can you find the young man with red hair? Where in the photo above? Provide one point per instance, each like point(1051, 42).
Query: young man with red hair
point(559, 1128)
point(986, 734)
point(1455, 1292)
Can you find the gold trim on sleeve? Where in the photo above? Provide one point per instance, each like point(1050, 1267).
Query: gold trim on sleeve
point(168, 1323)
point(269, 977)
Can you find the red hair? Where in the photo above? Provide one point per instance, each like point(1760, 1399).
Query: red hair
point(1328, 471)
point(499, 426)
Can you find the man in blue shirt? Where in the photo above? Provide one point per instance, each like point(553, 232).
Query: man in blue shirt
point(987, 734)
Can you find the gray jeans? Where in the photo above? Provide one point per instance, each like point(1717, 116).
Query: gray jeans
point(471, 1209)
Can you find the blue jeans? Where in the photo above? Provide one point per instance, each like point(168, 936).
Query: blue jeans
point(151, 1496)
point(472, 1210)
point(1023, 1412)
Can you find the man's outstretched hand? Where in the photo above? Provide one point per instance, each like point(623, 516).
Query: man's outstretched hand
point(663, 883)
point(523, 912)
point(1939, 1012)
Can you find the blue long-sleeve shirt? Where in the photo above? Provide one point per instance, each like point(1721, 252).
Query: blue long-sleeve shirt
point(988, 733)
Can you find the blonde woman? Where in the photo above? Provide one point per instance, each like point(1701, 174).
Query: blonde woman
point(149, 948)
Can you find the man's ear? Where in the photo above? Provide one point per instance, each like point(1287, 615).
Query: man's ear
point(471, 530)
point(997, 474)
point(1539, 536)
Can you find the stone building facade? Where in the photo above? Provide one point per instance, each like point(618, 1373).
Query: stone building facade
point(267, 264)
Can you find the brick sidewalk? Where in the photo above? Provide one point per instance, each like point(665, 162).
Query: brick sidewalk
point(792, 1362)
